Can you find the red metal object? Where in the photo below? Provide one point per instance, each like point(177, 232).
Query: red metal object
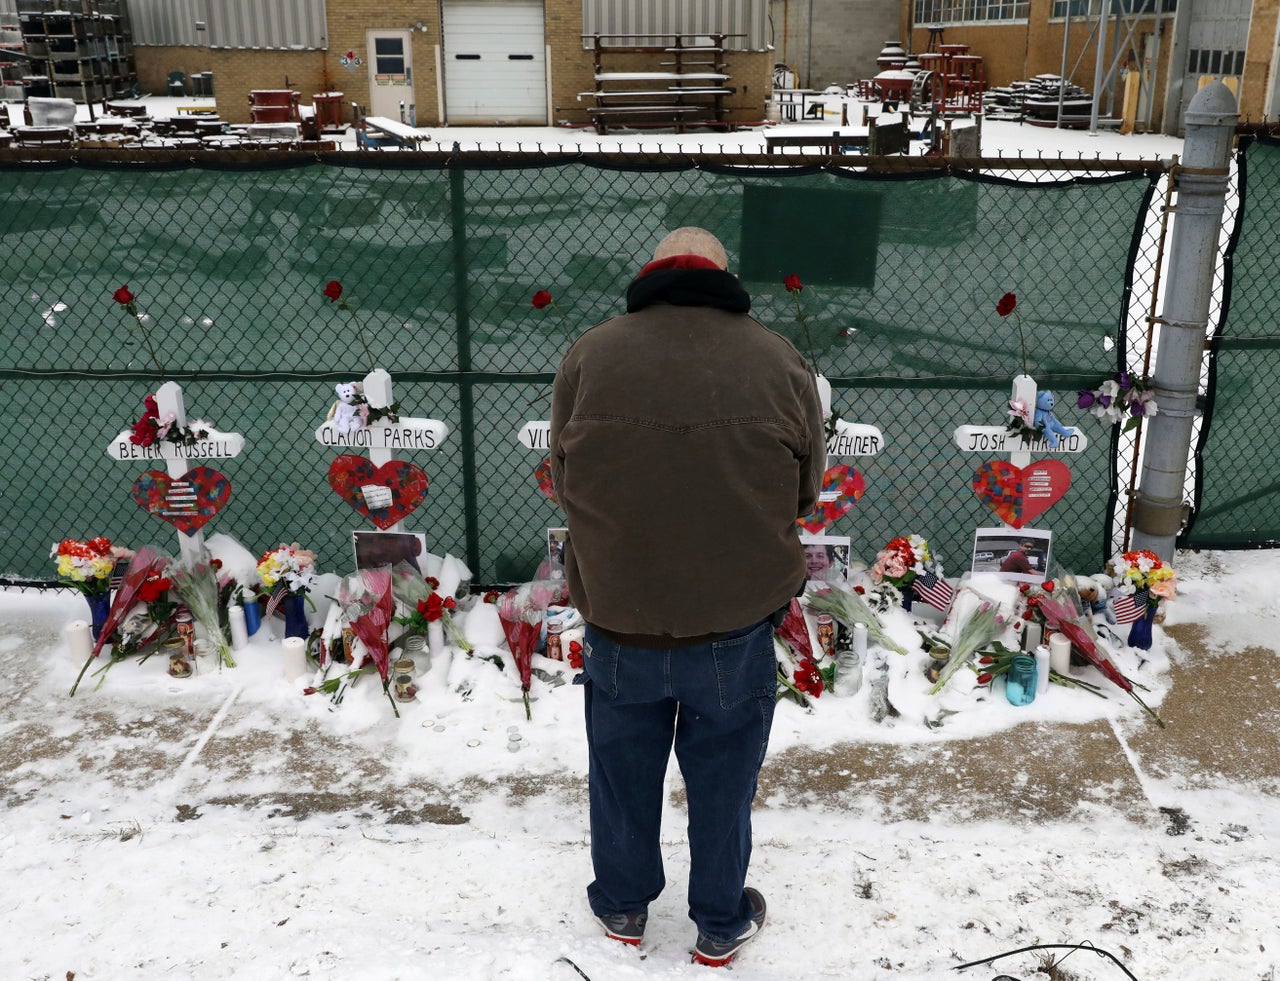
point(273, 106)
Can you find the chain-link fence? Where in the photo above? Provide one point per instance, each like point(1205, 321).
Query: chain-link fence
point(1236, 501)
point(439, 254)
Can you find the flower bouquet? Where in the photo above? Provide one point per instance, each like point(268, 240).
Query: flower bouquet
point(847, 605)
point(196, 583)
point(1118, 397)
point(152, 427)
point(522, 611)
point(367, 603)
point(979, 629)
point(289, 571)
point(1060, 617)
point(144, 565)
point(1143, 580)
point(798, 674)
point(86, 565)
point(429, 608)
point(902, 562)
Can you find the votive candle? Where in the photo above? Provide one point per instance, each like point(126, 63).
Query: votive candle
point(1060, 654)
point(80, 639)
point(295, 657)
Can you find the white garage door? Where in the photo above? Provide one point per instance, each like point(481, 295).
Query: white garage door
point(495, 68)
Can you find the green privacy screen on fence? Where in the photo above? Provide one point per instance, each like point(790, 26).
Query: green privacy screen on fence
point(1238, 487)
point(440, 261)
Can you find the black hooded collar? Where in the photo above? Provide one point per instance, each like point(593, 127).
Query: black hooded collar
point(688, 288)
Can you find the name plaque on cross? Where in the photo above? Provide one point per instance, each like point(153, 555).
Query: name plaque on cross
point(855, 439)
point(536, 434)
point(214, 446)
point(997, 439)
point(407, 434)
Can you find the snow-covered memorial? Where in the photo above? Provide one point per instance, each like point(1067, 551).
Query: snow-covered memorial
point(884, 636)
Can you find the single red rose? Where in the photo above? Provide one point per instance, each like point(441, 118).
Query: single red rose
point(433, 583)
point(450, 603)
point(541, 299)
point(1024, 588)
point(492, 596)
point(861, 591)
point(792, 283)
point(422, 607)
point(333, 290)
point(986, 659)
point(308, 691)
point(122, 295)
point(1006, 304)
point(985, 678)
point(152, 589)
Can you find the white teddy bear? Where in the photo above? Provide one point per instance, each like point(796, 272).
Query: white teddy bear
point(351, 410)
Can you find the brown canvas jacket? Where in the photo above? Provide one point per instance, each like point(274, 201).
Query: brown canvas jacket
point(685, 441)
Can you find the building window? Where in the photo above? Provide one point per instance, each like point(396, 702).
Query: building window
point(1081, 8)
point(970, 11)
point(1205, 61)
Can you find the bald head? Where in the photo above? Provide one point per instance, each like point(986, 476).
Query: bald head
point(692, 241)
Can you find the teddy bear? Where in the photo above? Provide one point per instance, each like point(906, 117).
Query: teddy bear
point(1045, 417)
point(1094, 594)
point(351, 411)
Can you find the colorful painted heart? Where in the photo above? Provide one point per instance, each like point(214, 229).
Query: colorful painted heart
point(1019, 494)
point(542, 474)
point(384, 494)
point(842, 486)
point(188, 502)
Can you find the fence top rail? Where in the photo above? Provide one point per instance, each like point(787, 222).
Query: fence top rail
point(461, 158)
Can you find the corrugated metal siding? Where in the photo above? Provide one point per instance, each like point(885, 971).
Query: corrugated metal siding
point(230, 23)
point(166, 22)
point(748, 17)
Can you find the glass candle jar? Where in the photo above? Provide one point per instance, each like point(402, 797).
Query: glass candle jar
point(1020, 681)
point(179, 660)
point(405, 689)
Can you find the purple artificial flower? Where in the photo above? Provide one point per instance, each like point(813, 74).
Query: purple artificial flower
point(1104, 401)
point(1138, 409)
point(1125, 381)
point(1086, 399)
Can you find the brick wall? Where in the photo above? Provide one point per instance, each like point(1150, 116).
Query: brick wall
point(237, 72)
point(1259, 61)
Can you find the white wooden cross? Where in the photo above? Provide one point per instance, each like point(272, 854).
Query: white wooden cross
point(997, 439)
point(383, 438)
point(177, 458)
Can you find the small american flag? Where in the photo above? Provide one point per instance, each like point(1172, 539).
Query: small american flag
point(1132, 607)
point(933, 590)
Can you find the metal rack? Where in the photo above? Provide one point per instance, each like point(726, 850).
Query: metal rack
point(76, 49)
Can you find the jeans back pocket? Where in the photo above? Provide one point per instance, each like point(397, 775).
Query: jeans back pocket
point(746, 666)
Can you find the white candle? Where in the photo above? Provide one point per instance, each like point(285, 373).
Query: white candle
point(295, 657)
point(1032, 640)
point(80, 640)
point(1042, 669)
point(239, 629)
point(860, 641)
point(1060, 654)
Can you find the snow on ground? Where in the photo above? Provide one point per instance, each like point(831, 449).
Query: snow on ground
point(225, 826)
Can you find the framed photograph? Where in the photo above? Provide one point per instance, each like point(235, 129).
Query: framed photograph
point(378, 548)
point(557, 538)
point(1016, 555)
point(826, 557)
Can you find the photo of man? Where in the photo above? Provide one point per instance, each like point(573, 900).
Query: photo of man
point(1020, 556)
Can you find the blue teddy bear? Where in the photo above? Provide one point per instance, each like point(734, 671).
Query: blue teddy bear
point(1044, 416)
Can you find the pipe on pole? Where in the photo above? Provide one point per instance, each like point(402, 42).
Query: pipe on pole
point(1201, 184)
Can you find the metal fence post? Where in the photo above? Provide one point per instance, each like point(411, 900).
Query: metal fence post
point(1201, 182)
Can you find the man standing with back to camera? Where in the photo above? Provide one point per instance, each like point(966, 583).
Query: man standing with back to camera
point(686, 439)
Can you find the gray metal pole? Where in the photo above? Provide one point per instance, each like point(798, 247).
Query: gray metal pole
point(1101, 53)
point(1201, 183)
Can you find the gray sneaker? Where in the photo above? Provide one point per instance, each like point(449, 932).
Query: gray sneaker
point(626, 927)
point(713, 954)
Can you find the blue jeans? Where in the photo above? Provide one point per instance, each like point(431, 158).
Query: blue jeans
point(715, 703)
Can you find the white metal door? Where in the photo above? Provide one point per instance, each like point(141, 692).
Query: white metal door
point(390, 74)
point(495, 67)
